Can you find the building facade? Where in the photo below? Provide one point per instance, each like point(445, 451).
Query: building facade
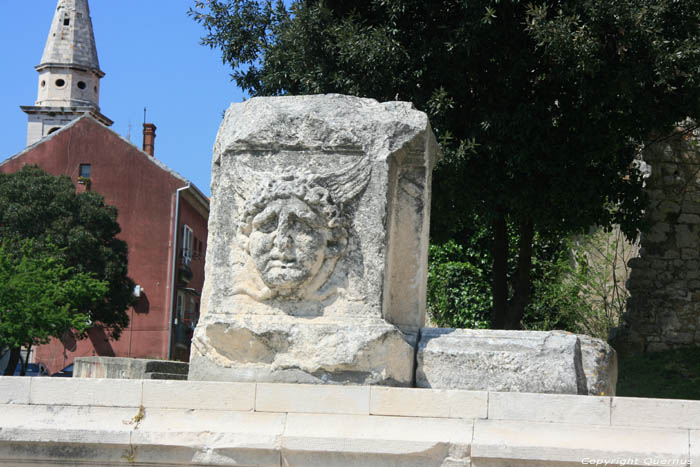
point(164, 222)
point(163, 216)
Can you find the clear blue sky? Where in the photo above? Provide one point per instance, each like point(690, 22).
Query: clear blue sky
point(150, 52)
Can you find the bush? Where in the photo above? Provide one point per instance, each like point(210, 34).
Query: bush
point(578, 283)
point(459, 294)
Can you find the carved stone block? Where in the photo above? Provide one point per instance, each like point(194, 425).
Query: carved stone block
point(503, 361)
point(318, 233)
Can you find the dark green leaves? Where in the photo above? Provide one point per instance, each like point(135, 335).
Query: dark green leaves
point(45, 209)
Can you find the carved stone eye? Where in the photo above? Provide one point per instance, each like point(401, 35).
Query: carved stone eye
point(267, 225)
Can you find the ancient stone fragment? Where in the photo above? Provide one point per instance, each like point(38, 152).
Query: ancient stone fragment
point(495, 360)
point(317, 251)
point(599, 365)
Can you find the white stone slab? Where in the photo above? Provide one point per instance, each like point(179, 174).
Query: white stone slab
point(694, 447)
point(559, 408)
point(356, 440)
point(501, 442)
point(418, 402)
point(497, 360)
point(306, 398)
point(89, 392)
point(199, 395)
point(632, 411)
point(53, 435)
point(208, 437)
point(55, 423)
point(14, 389)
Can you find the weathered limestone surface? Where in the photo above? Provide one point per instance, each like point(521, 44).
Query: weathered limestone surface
point(493, 360)
point(509, 443)
point(77, 421)
point(318, 233)
point(663, 311)
point(599, 361)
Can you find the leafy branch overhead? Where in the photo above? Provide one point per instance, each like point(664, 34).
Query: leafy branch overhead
point(540, 106)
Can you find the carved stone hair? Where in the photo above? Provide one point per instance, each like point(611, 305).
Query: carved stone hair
point(302, 187)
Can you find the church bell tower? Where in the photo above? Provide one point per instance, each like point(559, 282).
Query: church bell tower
point(69, 73)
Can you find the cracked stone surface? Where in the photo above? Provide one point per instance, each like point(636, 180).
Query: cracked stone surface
point(316, 265)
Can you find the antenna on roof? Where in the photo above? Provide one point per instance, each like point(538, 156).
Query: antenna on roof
point(144, 115)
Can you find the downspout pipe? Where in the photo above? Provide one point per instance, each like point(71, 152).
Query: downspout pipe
point(173, 285)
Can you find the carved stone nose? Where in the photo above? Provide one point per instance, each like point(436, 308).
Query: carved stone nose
point(283, 240)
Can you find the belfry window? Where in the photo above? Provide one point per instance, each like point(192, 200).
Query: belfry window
point(66, 21)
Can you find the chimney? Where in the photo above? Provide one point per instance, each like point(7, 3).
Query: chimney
point(149, 138)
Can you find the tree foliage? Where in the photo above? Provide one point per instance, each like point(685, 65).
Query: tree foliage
point(40, 297)
point(458, 292)
point(36, 205)
point(540, 106)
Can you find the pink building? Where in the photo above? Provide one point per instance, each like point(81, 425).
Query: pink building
point(163, 218)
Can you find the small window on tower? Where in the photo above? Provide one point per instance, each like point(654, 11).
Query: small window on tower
point(60, 83)
point(85, 170)
point(81, 84)
point(66, 21)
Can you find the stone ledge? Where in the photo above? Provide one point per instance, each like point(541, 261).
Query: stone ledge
point(438, 403)
point(501, 442)
point(209, 395)
point(558, 408)
point(358, 400)
point(208, 437)
point(351, 440)
point(49, 435)
point(14, 389)
point(628, 411)
point(85, 392)
point(312, 398)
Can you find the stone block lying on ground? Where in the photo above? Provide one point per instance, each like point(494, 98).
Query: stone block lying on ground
point(128, 368)
point(494, 360)
point(599, 365)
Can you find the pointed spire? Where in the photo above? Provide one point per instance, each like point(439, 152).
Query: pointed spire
point(71, 41)
point(69, 73)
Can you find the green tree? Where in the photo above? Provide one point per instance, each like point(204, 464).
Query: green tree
point(39, 206)
point(40, 297)
point(540, 106)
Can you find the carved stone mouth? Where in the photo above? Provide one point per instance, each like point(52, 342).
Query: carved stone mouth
point(281, 264)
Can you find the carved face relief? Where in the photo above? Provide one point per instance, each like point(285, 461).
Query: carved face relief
point(287, 244)
point(294, 233)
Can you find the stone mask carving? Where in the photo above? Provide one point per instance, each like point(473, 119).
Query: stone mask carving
point(294, 229)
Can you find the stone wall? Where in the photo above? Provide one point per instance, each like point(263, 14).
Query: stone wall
point(52, 421)
point(663, 311)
